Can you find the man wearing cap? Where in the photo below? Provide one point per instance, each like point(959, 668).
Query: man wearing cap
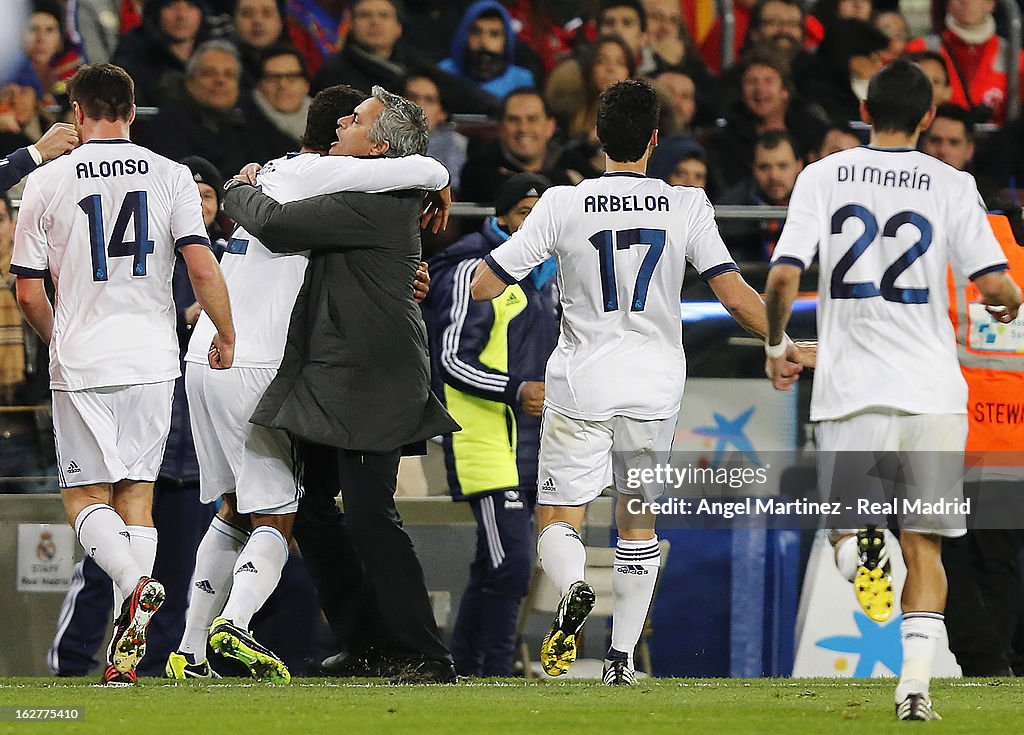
point(488, 362)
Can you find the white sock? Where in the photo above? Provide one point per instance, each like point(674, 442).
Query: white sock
point(562, 555)
point(105, 538)
point(211, 582)
point(921, 632)
point(257, 572)
point(143, 542)
point(847, 557)
point(633, 580)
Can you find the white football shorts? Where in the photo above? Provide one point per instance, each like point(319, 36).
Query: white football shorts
point(579, 458)
point(928, 468)
point(105, 435)
point(236, 456)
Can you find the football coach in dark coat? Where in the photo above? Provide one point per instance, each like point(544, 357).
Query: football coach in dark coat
point(355, 374)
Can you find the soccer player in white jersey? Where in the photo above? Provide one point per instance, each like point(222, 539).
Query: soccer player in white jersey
point(250, 467)
point(105, 222)
point(884, 221)
point(615, 381)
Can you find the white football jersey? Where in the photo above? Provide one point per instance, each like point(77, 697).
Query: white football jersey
point(263, 285)
point(884, 224)
point(105, 221)
point(622, 242)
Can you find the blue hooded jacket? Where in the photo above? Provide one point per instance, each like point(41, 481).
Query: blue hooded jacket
point(514, 77)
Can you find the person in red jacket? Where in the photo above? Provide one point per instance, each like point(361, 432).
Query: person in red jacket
point(975, 56)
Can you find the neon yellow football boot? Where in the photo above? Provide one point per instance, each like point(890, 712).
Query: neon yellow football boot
point(558, 651)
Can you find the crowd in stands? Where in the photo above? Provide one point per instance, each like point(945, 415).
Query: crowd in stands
point(512, 87)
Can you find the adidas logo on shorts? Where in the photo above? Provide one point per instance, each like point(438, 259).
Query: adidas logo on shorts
point(205, 586)
point(548, 486)
point(248, 567)
point(73, 467)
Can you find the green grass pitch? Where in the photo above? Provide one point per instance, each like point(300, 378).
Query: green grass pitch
point(483, 707)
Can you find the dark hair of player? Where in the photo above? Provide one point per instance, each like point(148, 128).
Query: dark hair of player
point(322, 119)
point(626, 117)
point(898, 97)
point(103, 91)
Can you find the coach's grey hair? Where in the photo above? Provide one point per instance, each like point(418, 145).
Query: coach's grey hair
point(401, 124)
point(222, 46)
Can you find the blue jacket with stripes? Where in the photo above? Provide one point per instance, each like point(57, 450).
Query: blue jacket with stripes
point(481, 353)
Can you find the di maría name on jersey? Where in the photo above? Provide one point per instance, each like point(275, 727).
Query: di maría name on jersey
point(897, 178)
point(106, 169)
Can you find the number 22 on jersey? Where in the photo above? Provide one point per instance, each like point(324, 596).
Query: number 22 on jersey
point(887, 289)
point(134, 208)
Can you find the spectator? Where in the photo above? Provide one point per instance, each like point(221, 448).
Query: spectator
point(950, 137)
point(627, 19)
point(483, 48)
point(999, 162)
point(766, 103)
point(259, 25)
point(524, 144)
point(747, 18)
point(23, 121)
point(371, 54)
point(316, 28)
point(934, 67)
point(837, 138)
point(830, 11)
point(24, 449)
point(778, 27)
point(498, 481)
point(680, 102)
point(675, 51)
point(974, 57)
point(94, 26)
point(777, 23)
point(668, 38)
point(446, 145)
point(844, 64)
point(207, 122)
point(49, 62)
point(895, 27)
point(690, 170)
point(776, 165)
point(547, 27)
point(574, 88)
point(155, 53)
point(679, 161)
point(281, 97)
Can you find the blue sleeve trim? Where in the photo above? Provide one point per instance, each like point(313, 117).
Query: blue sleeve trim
point(192, 240)
point(719, 270)
point(20, 270)
point(789, 260)
point(997, 268)
point(498, 270)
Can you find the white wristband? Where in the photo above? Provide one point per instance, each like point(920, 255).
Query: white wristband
point(36, 155)
point(776, 351)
